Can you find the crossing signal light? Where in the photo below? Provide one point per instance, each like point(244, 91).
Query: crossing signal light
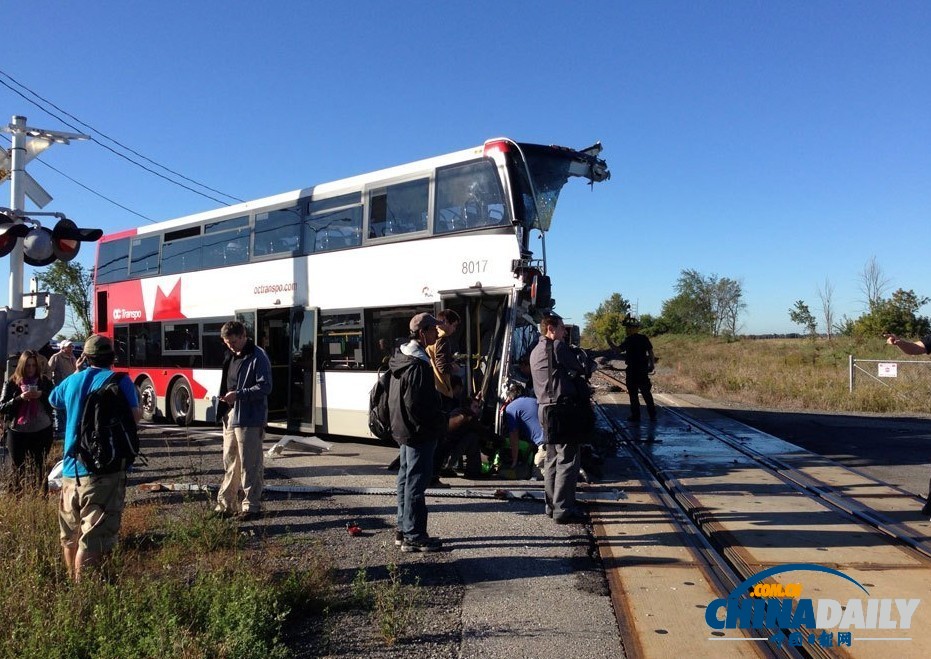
point(10, 232)
point(67, 238)
point(42, 246)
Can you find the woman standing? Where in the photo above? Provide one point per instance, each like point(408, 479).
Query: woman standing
point(25, 405)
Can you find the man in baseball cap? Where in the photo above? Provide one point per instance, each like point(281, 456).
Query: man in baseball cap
point(423, 321)
point(417, 423)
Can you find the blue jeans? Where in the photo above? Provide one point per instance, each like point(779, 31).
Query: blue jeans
point(414, 475)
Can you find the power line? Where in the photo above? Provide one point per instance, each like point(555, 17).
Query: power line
point(89, 189)
point(121, 145)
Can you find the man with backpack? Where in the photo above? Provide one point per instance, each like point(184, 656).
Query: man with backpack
point(92, 495)
point(417, 422)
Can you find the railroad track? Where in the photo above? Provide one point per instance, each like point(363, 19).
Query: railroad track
point(743, 501)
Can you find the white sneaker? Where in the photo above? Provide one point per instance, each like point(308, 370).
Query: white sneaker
point(540, 457)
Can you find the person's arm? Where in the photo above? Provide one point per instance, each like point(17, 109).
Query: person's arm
point(566, 358)
point(263, 379)
point(908, 347)
point(9, 399)
point(129, 391)
point(443, 356)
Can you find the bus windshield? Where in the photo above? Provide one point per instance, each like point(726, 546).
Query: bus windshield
point(549, 168)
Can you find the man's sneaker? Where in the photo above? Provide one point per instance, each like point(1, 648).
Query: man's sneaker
point(398, 538)
point(430, 544)
point(540, 457)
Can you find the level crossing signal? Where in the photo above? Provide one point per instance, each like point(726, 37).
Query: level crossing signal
point(42, 246)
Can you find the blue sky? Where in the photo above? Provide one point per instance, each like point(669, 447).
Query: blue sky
point(776, 143)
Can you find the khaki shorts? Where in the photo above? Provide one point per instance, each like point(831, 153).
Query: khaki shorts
point(90, 513)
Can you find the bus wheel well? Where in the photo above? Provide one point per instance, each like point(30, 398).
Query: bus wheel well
point(148, 399)
point(179, 403)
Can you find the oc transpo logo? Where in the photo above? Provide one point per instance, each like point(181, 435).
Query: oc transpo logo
point(127, 314)
point(774, 606)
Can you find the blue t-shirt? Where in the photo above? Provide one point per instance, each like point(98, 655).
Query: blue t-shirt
point(70, 396)
point(522, 414)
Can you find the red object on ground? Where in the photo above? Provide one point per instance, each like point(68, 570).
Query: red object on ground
point(353, 529)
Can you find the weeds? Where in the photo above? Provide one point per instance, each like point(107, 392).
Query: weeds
point(394, 605)
point(194, 607)
point(789, 373)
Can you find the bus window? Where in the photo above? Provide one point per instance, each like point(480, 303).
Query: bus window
point(468, 196)
point(333, 230)
point(144, 344)
point(385, 329)
point(226, 242)
point(213, 347)
point(340, 341)
point(181, 251)
point(399, 209)
point(112, 260)
point(120, 343)
point(277, 232)
point(182, 337)
point(143, 256)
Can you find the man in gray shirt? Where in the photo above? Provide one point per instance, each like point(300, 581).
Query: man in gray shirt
point(552, 367)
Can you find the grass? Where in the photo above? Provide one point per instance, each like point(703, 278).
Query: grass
point(183, 588)
point(394, 605)
point(791, 374)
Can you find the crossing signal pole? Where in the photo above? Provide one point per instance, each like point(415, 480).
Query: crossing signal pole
point(38, 246)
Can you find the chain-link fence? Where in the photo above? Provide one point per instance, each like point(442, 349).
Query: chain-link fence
point(902, 377)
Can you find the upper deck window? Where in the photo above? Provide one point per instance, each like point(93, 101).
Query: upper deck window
point(182, 251)
point(399, 209)
point(277, 232)
point(226, 242)
point(143, 256)
point(112, 261)
point(468, 196)
point(327, 229)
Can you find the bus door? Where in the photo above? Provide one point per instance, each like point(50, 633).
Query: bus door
point(289, 337)
point(483, 316)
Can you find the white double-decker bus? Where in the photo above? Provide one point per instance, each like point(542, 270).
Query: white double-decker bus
point(326, 279)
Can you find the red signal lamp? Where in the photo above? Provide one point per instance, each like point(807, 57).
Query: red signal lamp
point(10, 232)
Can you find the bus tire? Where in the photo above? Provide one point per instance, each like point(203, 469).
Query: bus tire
point(148, 402)
point(181, 403)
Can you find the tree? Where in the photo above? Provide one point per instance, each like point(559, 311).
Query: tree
point(690, 311)
point(75, 283)
point(896, 315)
point(703, 305)
point(873, 283)
point(826, 294)
point(801, 315)
point(727, 303)
point(605, 324)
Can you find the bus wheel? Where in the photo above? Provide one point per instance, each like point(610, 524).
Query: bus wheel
point(147, 400)
point(181, 403)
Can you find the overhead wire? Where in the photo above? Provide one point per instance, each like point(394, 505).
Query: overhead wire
point(111, 149)
point(89, 189)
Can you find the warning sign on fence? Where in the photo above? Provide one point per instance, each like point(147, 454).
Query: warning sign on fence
point(888, 370)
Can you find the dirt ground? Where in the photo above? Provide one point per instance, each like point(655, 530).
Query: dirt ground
point(304, 527)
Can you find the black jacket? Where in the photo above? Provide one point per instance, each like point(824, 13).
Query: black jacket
point(416, 416)
point(9, 401)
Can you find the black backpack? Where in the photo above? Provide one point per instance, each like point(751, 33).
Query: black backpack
point(108, 440)
point(379, 415)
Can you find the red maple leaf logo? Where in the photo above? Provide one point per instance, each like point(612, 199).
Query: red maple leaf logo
point(168, 307)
